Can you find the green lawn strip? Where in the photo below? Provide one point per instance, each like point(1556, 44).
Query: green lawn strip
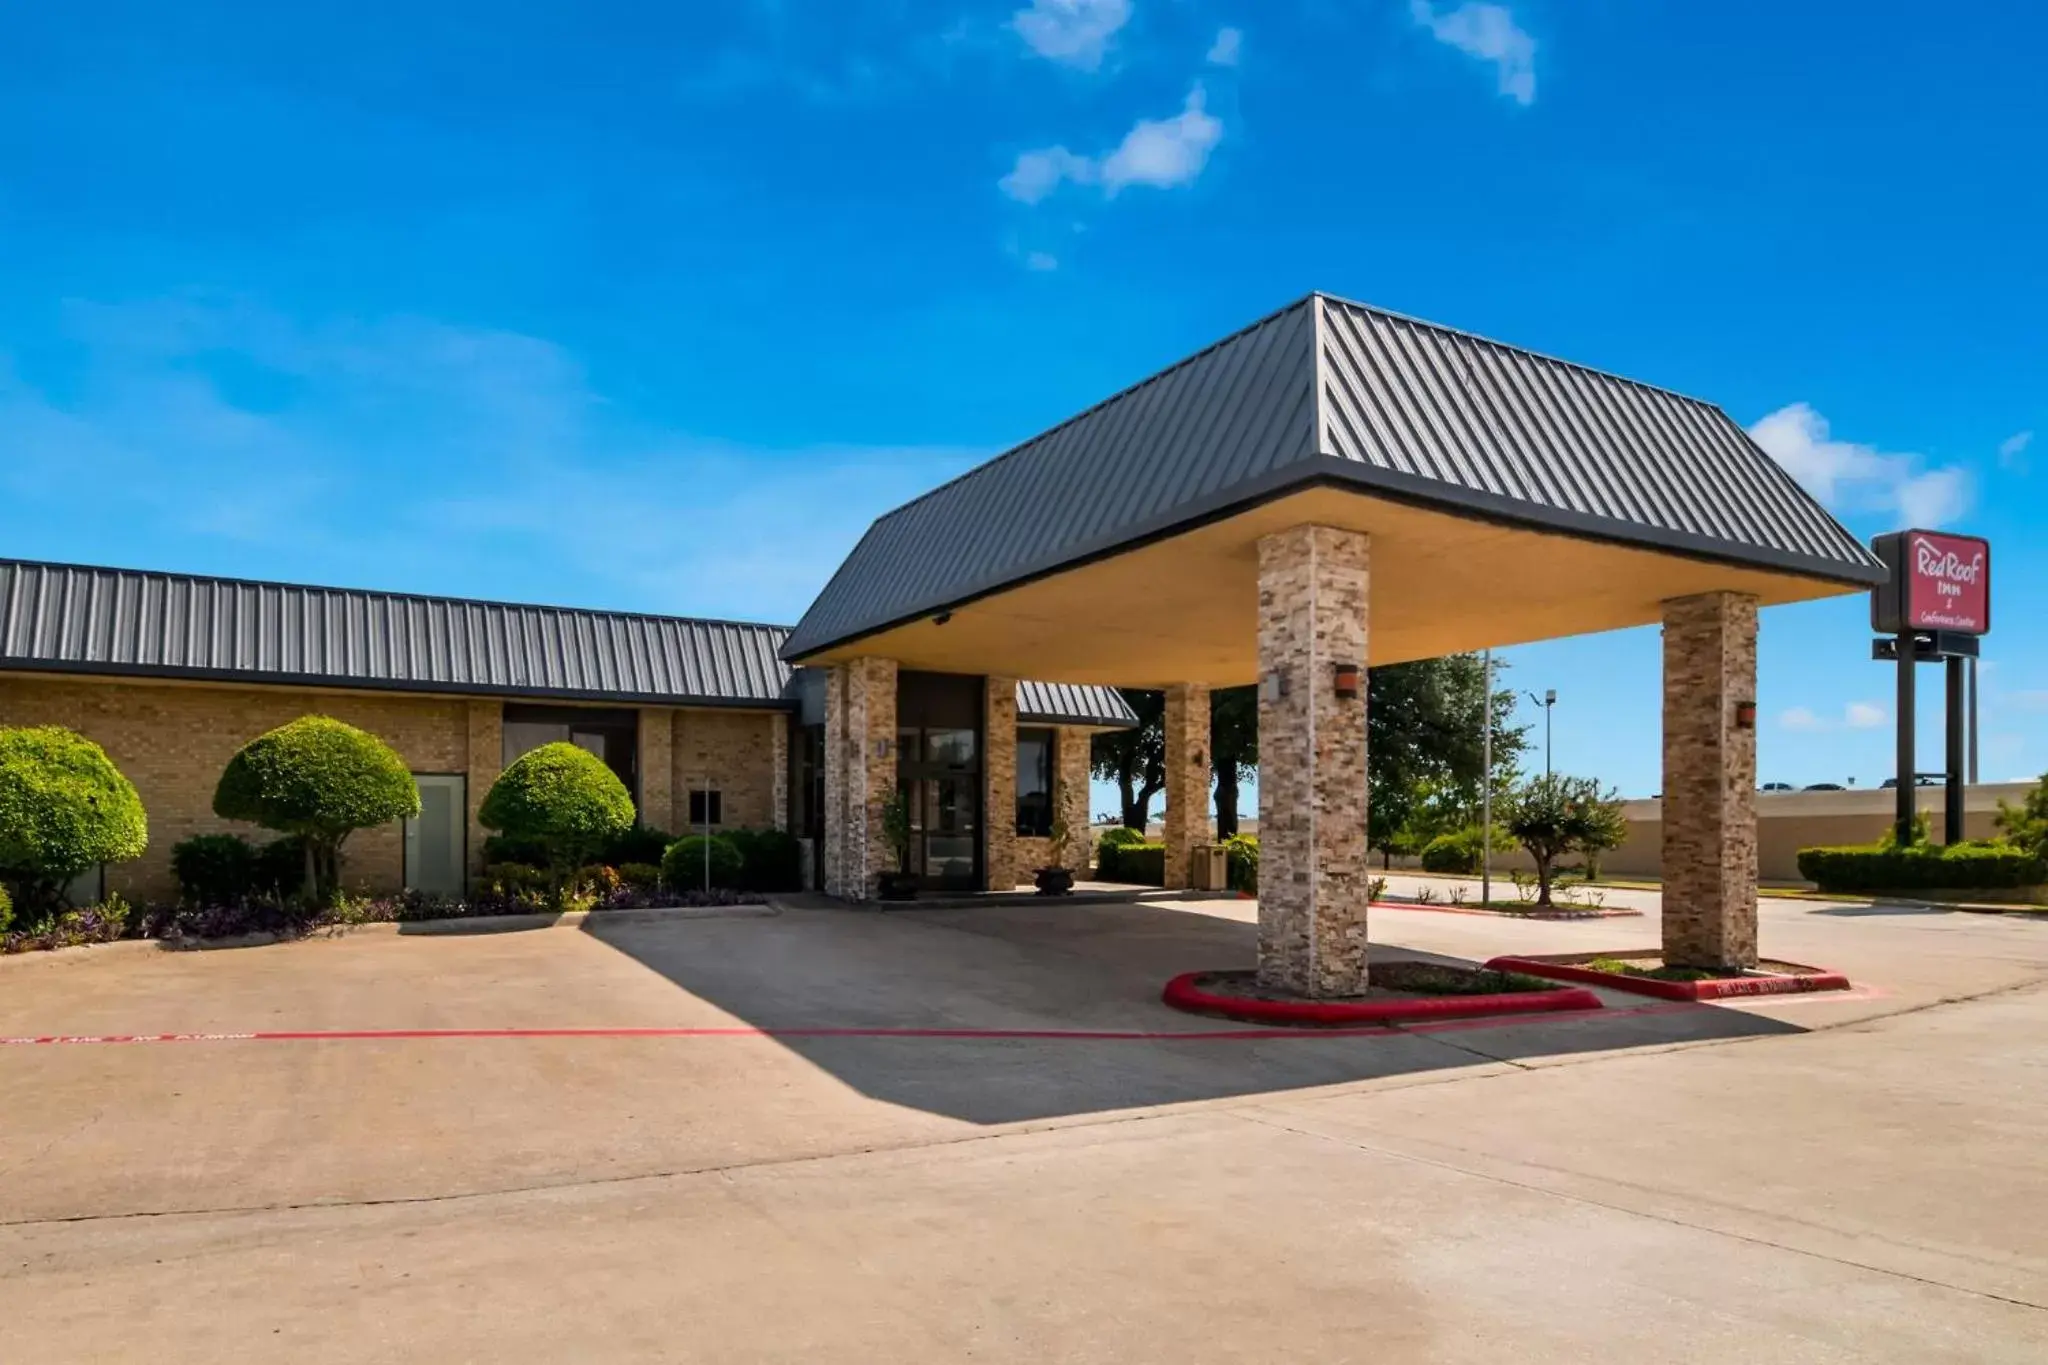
point(1429, 978)
point(1616, 967)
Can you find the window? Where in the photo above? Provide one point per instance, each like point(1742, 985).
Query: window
point(1034, 783)
point(706, 808)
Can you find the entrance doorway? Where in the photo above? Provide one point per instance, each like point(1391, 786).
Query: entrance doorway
point(938, 772)
point(436, 840)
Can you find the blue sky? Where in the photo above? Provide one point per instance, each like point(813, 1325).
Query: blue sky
point(610, 307)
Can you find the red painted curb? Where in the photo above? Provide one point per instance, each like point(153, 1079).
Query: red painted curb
point(1183, 994)
point(1729, 988)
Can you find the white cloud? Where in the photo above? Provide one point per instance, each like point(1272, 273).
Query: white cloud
point(1848, 477)
point(1227, 48)
point(1490, 34)
point(2012, 451)
point(1864, 715)
point(1163, 153)
point(1075, 33)
point(1801, 718)
point(1041, 261)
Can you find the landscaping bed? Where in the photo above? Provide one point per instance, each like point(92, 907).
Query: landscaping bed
point(1398, 992)
point(1510, 909)
point(1644, 973)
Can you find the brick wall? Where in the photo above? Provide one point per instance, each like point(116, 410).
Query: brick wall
point(733, 753)
point(173, 739)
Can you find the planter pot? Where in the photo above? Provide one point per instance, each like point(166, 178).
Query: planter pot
point(897, 886)
point(1054, 881)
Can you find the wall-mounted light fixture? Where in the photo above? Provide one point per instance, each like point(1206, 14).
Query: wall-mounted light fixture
point(1346, 676)
point(942, 618)
point(1273, 686)
point(882, 746)
point(1745, 715)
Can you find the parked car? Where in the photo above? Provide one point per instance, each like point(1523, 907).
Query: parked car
point(1825, 787)
point(1777, 787)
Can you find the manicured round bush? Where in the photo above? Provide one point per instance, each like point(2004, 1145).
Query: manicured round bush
point(770, 859)
point(563, 798)
point(64, 807)
point(640, 876)
point(682, 867)
point(638, 843)
point(321, 780)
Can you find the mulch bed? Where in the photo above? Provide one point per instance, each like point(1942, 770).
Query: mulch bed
point(1399, 991)
point(1645, 974)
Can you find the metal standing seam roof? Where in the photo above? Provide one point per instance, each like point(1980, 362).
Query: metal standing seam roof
point(67, 618)
point(1329, 391)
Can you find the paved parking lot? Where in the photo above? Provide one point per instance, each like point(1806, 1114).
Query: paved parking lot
point(939, 1135)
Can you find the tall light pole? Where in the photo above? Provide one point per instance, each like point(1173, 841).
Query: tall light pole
point(1486, 789)
point(1546, 701)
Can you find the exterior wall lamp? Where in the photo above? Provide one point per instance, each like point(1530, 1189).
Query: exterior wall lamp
point(1745, 715)
point(1273, 686)
point(1347, 681)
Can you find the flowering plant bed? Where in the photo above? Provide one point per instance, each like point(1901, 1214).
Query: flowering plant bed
point(1512, 909)
point(1647, 974)
point(1398, 992)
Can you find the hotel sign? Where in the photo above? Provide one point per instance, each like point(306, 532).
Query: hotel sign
point(1937, 582)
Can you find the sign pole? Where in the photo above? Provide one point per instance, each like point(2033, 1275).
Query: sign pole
point(1486, 791)
point(1952, 806)
point(1906, 777)
point(1973, 778)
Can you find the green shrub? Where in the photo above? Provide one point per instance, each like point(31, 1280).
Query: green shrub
point(682, 866)
point(213, 869)
point(1135, 864)
point(637, 843)
point(503, 848)
point(319, 780)
point(1119, 836)
point(640, 876)
point(64, 807)
point(6, 910)
point(512, 880)
point(1458, 851)
point(562, 797)
point(770, 860)
point(280, 868)
point(2026, 825)
point(1922, 867)
point(1242, 851)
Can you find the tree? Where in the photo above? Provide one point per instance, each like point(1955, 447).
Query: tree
point(1135, 759)
point(1233, 749)
point(320, 780)
point(64, 807)
point(1425, 744)
point(562, 797)
point(2027, 823)
point(1553, 815)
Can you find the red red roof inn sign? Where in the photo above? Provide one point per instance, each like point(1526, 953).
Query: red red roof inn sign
point(1938, 582)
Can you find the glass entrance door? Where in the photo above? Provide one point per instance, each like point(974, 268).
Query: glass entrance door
point(939, 774)
point(435, 841)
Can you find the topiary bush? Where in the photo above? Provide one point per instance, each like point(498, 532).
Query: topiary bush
point(1134, 864)
point(319, 780)
point(64, 807)
point(1922, 867)
point(770, 860)
point(1118, 836)
point(563, 798)
point(683, 865)
point(1242, 853)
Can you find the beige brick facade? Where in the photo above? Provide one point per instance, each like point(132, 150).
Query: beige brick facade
point(173, 739)
point(860, 774)
point(1187, 777)
point(1313, 868)
point(1709, 803)
point(1005, 862)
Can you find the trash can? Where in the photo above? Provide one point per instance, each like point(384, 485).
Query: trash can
point(1210, 870)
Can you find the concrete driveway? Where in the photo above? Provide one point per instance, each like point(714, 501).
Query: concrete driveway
point(932, 1136)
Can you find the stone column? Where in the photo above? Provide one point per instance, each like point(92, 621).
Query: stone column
point(1070, 792)
point(486, 758)
point(1709, 815)
point(1187, 776)
point(1000, 870)
point(778, 783)
point(860, 775)
point(1313, 865)
point(657, 768)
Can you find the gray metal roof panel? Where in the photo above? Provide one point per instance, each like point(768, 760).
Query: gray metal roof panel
point(62, 617)
point(1072, 704)
point(1327, 390)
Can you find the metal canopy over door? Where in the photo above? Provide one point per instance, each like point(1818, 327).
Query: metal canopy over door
point(436, 842)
